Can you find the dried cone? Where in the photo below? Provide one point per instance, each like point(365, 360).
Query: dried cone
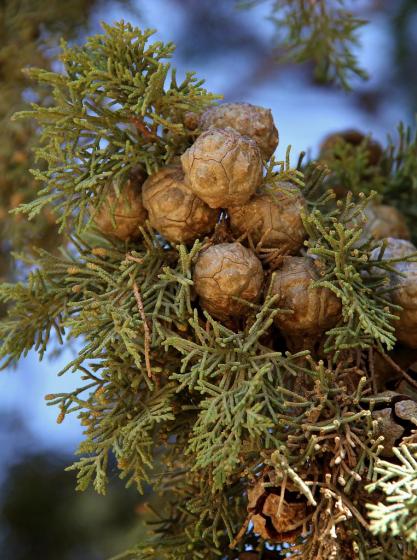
point(225, 271)
point(249, 120)
point(384, 221)
point(395, 249)
point(122, 215)
point(396, 418)
point(223, 168)
point(314, 310)
point(191, 120)
point(273, 221)
point(175, 211)
point(403, 289)
point(277, 518)
point(354, 138)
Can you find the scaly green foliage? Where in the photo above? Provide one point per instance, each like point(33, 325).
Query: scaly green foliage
point(30, 34)
point(367, 315)
point(397, 514)
point(196, 410)
point(324, 32)
point(393, 177)
point(398, 169)
point(114, 110)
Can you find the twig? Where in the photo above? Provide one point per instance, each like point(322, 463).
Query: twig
point(371, 362)
point(397, 368)
point(143, 129)
point(134, 259)
point(350, 506)
point(146, 329)
point(241, 532)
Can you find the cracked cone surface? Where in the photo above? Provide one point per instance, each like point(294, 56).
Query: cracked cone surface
point(225, 271)
point(249, 120)
point(314, 310)
point(273, 221)
point(121, 216)
point(223, 168)
point(175, 211)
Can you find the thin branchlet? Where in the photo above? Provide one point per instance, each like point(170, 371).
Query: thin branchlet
point(198, 410)
point(322, 32)
point(118, 104)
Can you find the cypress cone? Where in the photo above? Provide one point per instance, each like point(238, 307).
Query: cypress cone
point(175, 211)
point(224, 272)
point(223, 168)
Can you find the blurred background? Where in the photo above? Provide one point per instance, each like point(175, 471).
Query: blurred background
point(41, 516)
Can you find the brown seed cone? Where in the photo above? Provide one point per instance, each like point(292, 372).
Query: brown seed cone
point(224, 271)
point(395, 418)
point(286, 526)
point(223, 168)
point(407, 410)
point(354, 138)
point(315, 310)
point(191, 120)
point(277, 518)
point(395, 249)
point(175, 211)
point(121, 216)
point(405, 295)
point(388, 428)
point(273, 221)
point(384, 221)
point(403, 290)
point(249, 120)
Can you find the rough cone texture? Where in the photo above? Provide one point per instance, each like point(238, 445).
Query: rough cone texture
point(405, 295)
point(314, 309)
point(273, 221)
point(275, 517)
point(175, 211)
point(385, 221)
point(191, 120)
point(404, 290)
point(388, 428)
point(354, 138)
point(248, 120)
point(122, 215)
point(223, 168)
point(223, 271)
point(394, 418)
point(396, 249)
